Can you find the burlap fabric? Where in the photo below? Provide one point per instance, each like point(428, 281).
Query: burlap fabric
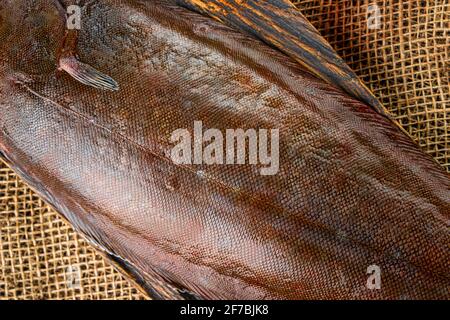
point(404, 61)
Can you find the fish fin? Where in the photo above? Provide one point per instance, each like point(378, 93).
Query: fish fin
point(69, 62)
point(86, 74)
point(280, 24)
point(147, 283)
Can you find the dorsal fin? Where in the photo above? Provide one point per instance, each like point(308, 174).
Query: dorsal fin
point(280, 24)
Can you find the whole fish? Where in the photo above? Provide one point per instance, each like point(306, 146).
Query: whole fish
point(352, 210)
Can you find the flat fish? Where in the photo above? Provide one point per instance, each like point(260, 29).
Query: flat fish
point(355, 210)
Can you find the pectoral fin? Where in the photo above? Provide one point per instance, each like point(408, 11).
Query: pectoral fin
point(69, 62)
point(86, 74)
point(280, 24)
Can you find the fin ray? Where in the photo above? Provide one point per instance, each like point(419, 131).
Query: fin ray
point(87, 75)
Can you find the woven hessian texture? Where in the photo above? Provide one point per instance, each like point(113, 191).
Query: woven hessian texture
point(404, 63)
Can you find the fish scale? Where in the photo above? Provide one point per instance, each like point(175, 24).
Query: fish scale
point(352, 189)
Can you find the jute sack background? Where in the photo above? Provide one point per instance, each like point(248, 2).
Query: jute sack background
point(405, 63)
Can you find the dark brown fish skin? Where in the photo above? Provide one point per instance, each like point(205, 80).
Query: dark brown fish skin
point(352, 190)
point(280, 24)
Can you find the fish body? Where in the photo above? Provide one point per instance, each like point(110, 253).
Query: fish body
point(352, 192)
point(281, 25)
